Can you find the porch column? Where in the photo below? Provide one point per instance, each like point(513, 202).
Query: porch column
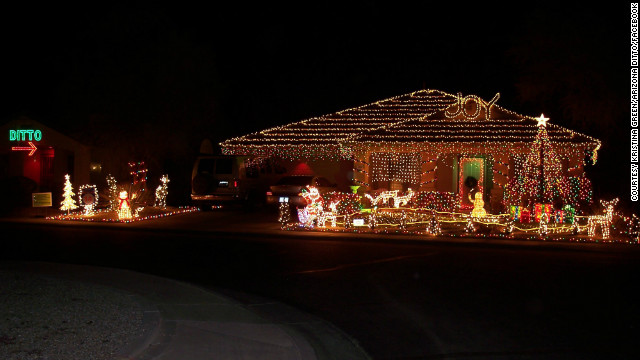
point(362, 170)
point(428, 172)
point(500, 179)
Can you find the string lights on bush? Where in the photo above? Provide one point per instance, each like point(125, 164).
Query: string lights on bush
point(433, 228)
point(284, 216)
point(435, 200)
point(469, 228)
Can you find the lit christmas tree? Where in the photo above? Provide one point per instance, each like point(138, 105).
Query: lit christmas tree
point(68, 203)
point(542, 169)
point(541, 174)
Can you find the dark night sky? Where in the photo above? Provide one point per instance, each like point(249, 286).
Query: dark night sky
point(180, 73)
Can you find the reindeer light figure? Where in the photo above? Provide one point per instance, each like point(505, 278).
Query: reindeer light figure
point(403, 200)
point(383, 197)
point(603, 220)
point(162, 191)
point(329, 215)
point(386, 195)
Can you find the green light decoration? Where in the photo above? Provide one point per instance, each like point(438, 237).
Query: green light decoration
point(25, 135)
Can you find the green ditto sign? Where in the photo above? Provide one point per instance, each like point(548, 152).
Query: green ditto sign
point(25, 135)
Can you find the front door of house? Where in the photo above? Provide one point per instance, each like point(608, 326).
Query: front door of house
point(470, 179)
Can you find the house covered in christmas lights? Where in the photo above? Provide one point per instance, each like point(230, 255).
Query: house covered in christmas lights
point(428, 140)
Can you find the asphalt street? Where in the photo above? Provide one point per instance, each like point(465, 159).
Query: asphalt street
point(399, 298)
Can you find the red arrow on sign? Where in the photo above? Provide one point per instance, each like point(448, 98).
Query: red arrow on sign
point(31, 148)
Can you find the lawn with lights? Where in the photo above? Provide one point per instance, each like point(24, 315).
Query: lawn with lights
point(540, 203)
point(124, 203)
point(402, 214)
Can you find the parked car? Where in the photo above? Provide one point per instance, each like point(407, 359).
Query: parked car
point(224, 179)
point(216, 179)
point(288, 189)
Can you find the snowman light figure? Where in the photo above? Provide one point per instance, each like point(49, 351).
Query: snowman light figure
point(124, 209)
point(478, 205)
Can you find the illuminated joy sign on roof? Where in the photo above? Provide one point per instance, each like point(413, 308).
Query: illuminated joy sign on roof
point(25, 135)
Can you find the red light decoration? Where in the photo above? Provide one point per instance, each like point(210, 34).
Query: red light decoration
point(31, 148)
point(138, 172)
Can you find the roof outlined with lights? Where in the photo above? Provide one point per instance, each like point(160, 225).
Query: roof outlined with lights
point(430, 116)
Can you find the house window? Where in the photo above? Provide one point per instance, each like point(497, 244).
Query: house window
point(391, 169)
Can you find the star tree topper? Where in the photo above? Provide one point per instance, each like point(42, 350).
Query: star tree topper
point(542, 121)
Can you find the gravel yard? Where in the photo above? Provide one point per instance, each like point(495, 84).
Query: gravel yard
point(44, 318)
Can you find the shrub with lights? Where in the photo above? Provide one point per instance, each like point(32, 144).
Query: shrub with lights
point(576, 191)
point(347, 203)
point(435, 200)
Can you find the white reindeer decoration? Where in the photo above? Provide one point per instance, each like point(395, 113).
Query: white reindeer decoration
point(161, 192)
point(603, 220)
point(403, 200)
point(386, 195)
point(329, 215)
